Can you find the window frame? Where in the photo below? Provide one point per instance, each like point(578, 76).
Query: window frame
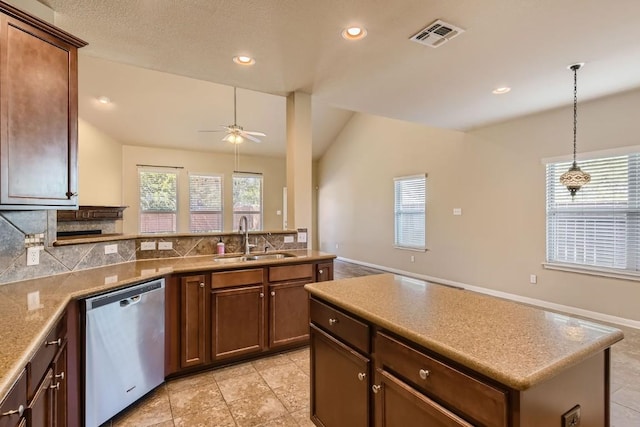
point(398, 241)
point(611, 209)
point(246, 212)
point(175, 212)
point(221, 212)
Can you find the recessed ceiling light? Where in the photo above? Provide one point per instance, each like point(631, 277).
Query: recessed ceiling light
point(501, 90)
point(354, 33)
point(244, 60)
point(104, 100)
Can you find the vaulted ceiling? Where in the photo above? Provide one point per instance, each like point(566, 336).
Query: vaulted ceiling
point(167, 65)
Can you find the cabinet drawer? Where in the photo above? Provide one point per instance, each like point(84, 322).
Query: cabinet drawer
point(291, 272)
point(227, 279)
point(40, 362)
point(340, 325)
point(13, 406)
point(484, 403)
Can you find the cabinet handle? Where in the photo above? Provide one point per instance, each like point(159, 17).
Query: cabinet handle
point(57, 342)
point(56, 386)
point(321, 271)
point(273, 293)
point(69, 194)
point(333, 321)
point(60, 375)
point(362, 376)
point(202, 284)
point(18, 411)
point(261, 294)
point(424, 373)
point(376, 388)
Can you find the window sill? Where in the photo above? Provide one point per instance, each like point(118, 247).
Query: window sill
point(405, 248)
point(592, 271)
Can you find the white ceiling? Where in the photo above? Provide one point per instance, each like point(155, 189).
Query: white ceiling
point(525, 44)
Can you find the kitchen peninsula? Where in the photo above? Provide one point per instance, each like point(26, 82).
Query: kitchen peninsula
point(389, 350)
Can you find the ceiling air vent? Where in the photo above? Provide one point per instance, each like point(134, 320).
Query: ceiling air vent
point(436, 34)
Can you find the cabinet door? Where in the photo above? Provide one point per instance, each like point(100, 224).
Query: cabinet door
point(14, 405)
point(288, 314)
point(339, 383)
point(237, 321)
point(59, 385)
point(41, 407)
point(193, 322)
point(398, 404)
point(324, 271)
point(38, 128)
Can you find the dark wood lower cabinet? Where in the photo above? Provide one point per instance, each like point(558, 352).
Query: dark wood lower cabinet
point(288, 314)
point(59, 387)
point(339, 383)
point(193, 321)
point(41, 408)
point(398, 404)
point(238, 321)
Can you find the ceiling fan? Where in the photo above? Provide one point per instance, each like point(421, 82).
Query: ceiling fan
point(235, 133)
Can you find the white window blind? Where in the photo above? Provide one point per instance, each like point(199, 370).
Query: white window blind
point(410, 212)
point(600, 227)
point(205, 203)
point(158, 190)
point(247, 199)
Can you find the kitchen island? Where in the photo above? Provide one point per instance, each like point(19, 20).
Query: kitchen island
point(387, 350)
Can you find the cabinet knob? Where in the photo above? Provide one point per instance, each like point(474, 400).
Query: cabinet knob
point(333, 321)
point(273, 293)
point(69, 194)
point(18, 411)
point(55, 386)
point(362, 376)
point(60, 375)
point(202, 284)
point(376, 388)
point(57, 342)
point(261, 294)
point(321, 271)
point(424, 373)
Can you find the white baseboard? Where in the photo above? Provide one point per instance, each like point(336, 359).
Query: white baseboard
point(505, 295)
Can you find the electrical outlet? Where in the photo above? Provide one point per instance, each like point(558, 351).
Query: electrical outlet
point(147, 246)
point(533, 279)
point(111, 249)
point(571, 418)
point(164, 246)
point(413, 258)
point(288, 239)
point(33, 255)
point(457, 211)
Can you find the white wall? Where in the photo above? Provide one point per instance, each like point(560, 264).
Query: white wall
point(495, 175)
point(273, 170)
point(99, 167)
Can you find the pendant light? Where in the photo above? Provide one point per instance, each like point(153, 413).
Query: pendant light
point(575, 178)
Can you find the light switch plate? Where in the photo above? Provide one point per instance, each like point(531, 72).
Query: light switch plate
point(111, 249)
point(288, 239)
point(457, 211)
point(164, 246)
point(147, 246)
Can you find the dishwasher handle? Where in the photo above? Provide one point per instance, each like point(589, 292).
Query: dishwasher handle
point(130, 301)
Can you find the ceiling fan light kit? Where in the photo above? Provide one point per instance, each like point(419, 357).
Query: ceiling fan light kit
point(575, 178)
point(236, 133)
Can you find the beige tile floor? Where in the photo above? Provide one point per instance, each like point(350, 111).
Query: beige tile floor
point(275, 391)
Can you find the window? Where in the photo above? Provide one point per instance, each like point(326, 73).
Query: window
point(158, 200)
point(205, 203)
point(600, 227)
point(410, 212)
point(247, 200)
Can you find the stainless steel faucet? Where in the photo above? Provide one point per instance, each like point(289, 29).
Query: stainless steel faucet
point(247, 246)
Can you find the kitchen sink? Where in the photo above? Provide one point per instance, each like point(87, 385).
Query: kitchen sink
point(252, 257)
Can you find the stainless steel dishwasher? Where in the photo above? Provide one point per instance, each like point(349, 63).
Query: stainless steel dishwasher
point(124, 348)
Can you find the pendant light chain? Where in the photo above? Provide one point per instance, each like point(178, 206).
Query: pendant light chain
point(575, 110)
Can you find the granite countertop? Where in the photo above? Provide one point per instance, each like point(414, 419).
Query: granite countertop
point(28, 309)
point(515, 344)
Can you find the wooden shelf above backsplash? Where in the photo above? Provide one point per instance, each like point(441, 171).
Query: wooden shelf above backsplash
point(92, 213)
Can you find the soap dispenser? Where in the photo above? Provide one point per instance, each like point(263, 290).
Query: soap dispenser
point(220, 247)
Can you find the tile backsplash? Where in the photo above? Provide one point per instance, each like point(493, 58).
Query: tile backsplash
point(17, 227)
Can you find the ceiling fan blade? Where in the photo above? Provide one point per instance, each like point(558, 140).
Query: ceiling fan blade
point(249, 132)
point(249, 137)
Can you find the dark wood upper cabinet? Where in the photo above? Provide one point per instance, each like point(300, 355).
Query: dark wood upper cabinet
point(38, 113)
